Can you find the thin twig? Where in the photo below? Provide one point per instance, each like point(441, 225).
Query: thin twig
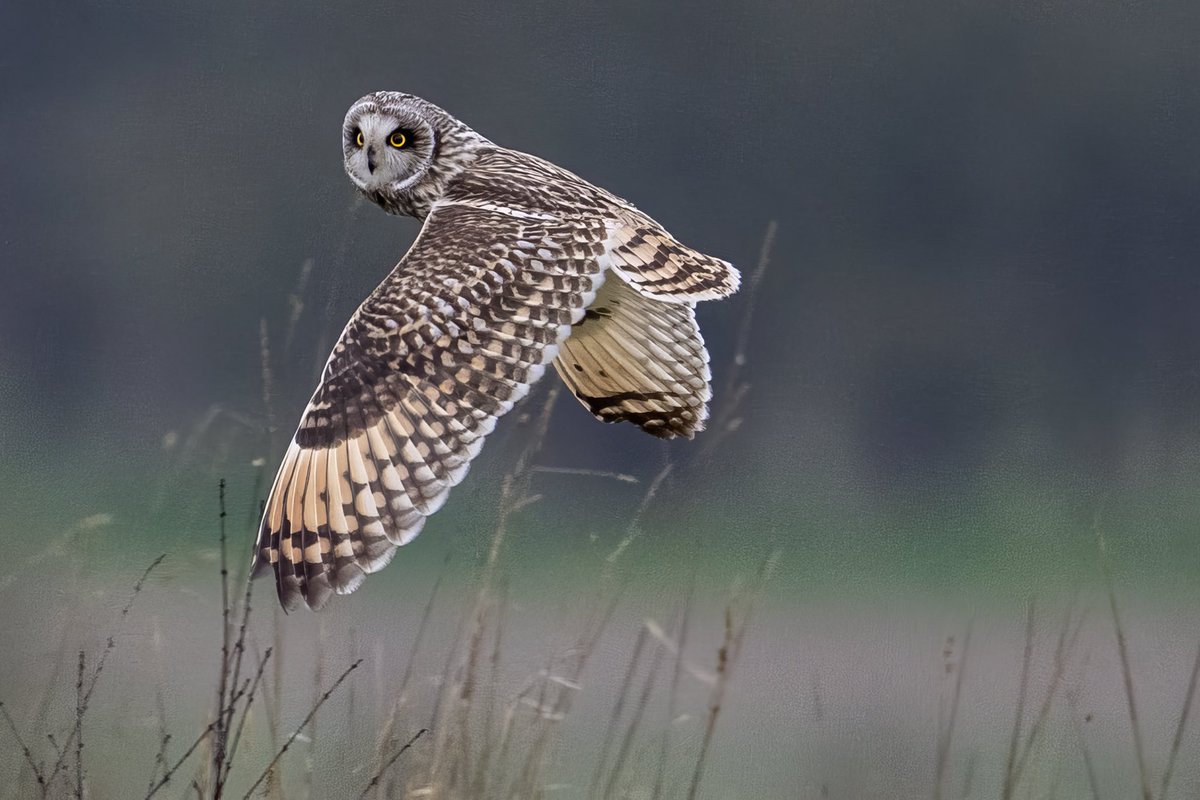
point(179, 763)
point(79, 712)
point(237, 736)
point(312, 712)
point(160, 759)
point(40, 718)
point(385, 733)
point(223, 685)
point(12, 726)
point(274, 699)
point(239, 649)
point(111, 643)
point(64, 751)
point(379, 775)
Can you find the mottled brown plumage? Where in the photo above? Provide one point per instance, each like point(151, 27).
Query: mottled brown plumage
point(516, 255)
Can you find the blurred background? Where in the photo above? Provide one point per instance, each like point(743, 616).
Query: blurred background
point(972, 366)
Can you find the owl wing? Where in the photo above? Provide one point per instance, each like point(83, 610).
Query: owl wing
point(450, 340)
point(641, 251)
point(638, 356)
point(633, 359)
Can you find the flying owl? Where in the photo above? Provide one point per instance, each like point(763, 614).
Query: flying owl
point(519, 263)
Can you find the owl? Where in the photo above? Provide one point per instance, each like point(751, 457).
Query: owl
point(519, 264)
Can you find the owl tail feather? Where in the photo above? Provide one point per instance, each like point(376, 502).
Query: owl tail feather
point(659, 267)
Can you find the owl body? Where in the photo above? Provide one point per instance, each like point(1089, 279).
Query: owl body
point(519, 264)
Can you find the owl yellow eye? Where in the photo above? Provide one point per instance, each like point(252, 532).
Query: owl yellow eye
point(358, 138)
point(397, 140)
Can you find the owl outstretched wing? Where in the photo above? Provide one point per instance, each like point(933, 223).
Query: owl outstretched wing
point(450, 340)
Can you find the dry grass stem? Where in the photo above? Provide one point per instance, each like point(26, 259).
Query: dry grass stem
point(1015, 739)
point(1067, 637)
point(714, 706)
point(728, 418)
point(664, 751)
point(946, 736)
point(1084, 750)
point(639, 711)
point(727, 656)
point(618, 708)
point(318, 678)
point(591, 473)
point(1127, 679)
point(295, 303)
point(635, 524)
point(1180, 727)
point(387, 732)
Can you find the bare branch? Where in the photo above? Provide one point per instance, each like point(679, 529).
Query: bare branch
point(12, 726)
point(375, 780)
point(312, 712)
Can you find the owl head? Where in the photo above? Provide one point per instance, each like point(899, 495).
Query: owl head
point(400, 150)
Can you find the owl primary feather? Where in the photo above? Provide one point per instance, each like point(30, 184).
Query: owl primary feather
point(519, 263)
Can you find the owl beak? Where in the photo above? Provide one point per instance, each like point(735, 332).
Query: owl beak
point(371, 159)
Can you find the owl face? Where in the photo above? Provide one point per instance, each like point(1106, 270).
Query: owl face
point(402, 151)
point(387, 148)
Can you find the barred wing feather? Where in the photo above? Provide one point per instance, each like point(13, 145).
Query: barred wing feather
point(450, 340)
